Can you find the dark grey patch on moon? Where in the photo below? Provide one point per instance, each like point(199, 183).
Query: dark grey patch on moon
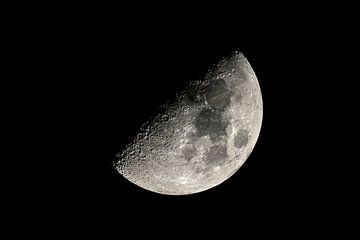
point(217, 155)
point(209, 122)
point(241, 138)
point(189, 152)
point(218, 95)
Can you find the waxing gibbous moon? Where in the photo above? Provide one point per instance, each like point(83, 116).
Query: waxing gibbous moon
point(202, 138)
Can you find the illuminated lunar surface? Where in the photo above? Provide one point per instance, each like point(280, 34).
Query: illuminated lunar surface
point(202, 138)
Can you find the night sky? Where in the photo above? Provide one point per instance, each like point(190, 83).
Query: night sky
point(102, 77)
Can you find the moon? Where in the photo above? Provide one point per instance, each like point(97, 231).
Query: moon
point(203, 137)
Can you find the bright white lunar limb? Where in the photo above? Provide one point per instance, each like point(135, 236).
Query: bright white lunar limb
point(201, 139)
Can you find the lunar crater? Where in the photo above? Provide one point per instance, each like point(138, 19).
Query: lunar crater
point(189, 151)
point(241, 138)
point(218, 95)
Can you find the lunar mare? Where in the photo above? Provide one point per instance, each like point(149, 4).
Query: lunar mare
point(202, 138)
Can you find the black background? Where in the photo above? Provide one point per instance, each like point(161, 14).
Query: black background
point(124, 77)
point(99, 76)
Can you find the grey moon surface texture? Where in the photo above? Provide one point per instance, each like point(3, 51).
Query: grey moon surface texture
point(203, 137)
